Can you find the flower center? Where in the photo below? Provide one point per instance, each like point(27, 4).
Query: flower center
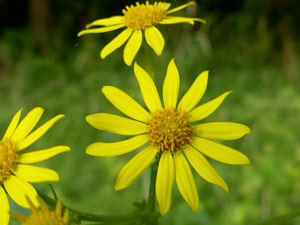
point(146, 15)
point(169, 130)
point(8, 159)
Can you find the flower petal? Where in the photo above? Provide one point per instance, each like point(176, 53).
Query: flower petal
point(135, 167)
point(4, 207)
point(195, 93)
point(221, 130)
point(219, 152)
point(101, 29)
point(116, 124)
point(132, 47)
point(39, 132)
point(155, 39)
point(205, 110)
point(116, 43)
point(114, 20)
point(203, 167)
point(164, 182)
point(185, 181)
point(125, 103)
point(171, 86)
point(13, 124)
point(18, 189)
point(181, 7)
point(27, 124)
point(35, 174)
point(116, 148)
point(148, 88)
point(175, 20)
point(41, 155)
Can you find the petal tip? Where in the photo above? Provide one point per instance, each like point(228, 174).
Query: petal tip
point(163, 211)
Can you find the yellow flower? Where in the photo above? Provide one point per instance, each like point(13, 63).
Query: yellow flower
point(44, 216)
point(137, 18)
point(170, 130)
point(15, 173)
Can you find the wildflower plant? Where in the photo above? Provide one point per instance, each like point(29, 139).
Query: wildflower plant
point(169, 135)
point(137, 19)
point(15, 172)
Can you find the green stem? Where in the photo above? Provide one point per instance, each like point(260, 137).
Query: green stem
point(151, 216)
point(92, 217)
point(151, 197)
point(281, 219)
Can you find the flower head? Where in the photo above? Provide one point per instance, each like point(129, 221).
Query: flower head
point(43, 216)
point(170, 130)
point(15, 173)
point(138, 18)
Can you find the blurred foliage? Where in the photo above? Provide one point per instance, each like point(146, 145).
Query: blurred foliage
point(250, 47)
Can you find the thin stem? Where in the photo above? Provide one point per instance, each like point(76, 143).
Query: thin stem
point(151, 196)
point(92, 217)
point(151, 216)
point(281, 219)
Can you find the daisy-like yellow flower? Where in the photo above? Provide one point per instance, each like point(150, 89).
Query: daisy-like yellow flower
point(138, 18)
point(170, 130)
point(15, 171)
point(44, 216)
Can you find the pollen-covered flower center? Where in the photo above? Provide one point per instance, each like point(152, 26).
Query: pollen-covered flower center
point(45, 217)
point(8, 159)
point(141, 16)
point(169, 130)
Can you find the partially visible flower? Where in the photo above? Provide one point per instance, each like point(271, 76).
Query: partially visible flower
point(138, 18)
point(44, 216)
point(15, 173)
point(170, 130)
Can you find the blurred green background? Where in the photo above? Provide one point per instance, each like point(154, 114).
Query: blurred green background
point(249, 46)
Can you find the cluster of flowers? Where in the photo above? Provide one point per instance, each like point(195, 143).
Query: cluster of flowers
point(167, 132)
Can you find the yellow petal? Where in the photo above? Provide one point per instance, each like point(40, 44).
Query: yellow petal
point(155, 39)
point(195, 93)
point(27, 124)
point(219, 152)
point(4, 207)
point(176, 19)
point(171, 86)
point(148, 88)
point(116, 148)
point(165, 181)
point(39, 132)
point(132, 47)
point(41, 155)
point(116, 124)
point(203, 167)
point(100, 30)
point(181, 7)
point(114, 20)
point(38, 156)
point(125, 103)
point(221, 130)
point(13, 124)
point(18, 189)
point(185, 181)
point(205, 110)
point(35, 174)
point(135, 167)
point(116, 43)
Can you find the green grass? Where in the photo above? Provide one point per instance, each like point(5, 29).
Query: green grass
point(68, 79)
